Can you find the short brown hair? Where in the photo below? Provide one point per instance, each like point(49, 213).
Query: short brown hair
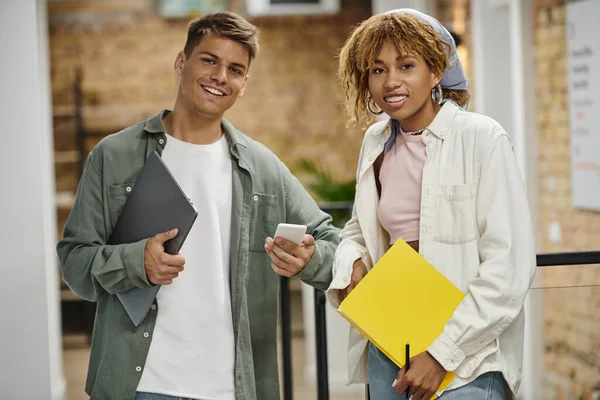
point(225, 24)
point(409, 34)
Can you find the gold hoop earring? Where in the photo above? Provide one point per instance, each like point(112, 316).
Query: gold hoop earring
point(369, 107)
point(437, 95)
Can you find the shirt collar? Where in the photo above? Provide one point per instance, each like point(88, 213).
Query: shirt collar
point(154, 124)
point(234, 137)
point(439, 126)
point(442, 121)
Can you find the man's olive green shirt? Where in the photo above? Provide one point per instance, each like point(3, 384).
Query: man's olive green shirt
point(265, 193)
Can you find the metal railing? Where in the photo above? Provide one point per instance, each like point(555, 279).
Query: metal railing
point(285, 320)
point(543, 260)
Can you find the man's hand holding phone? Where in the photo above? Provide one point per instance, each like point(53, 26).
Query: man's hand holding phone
point(290, 250)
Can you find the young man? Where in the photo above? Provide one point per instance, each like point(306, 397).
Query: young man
point(211, 332)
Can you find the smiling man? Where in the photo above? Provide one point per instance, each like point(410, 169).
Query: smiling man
point(211, 332)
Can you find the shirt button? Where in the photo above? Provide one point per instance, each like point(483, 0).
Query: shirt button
point(255, 198)
point(161, 141)
point(153, 306)
point(138, 368)
point(128, 189)
point(146, 334)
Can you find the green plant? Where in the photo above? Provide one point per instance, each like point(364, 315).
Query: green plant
point(328, 190)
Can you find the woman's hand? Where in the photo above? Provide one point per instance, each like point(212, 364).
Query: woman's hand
point(359, 270)
point(423, 378)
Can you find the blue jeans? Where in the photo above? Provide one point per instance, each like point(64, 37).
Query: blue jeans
point(383, 371)
point(156, 396)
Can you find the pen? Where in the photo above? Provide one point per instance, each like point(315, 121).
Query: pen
point(407, 364)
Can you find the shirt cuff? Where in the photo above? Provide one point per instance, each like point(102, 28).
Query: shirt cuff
point(342, 274)
point(312, 265)
point(133, 260)
point(446, 353)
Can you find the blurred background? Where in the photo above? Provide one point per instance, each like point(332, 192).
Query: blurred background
point(74, 71)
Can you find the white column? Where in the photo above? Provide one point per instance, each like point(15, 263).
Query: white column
point(491, 61)
point(504, 89)
point(30, 339)
point(525, 129)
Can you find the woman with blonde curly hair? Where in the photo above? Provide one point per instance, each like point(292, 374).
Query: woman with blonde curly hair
point(445, 181)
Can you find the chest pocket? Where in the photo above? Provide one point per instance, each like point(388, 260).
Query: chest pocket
point(455, 220)
point(264, 218)
point(117, 196)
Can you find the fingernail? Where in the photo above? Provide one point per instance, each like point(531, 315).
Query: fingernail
point(279, 240)
point(395, 383)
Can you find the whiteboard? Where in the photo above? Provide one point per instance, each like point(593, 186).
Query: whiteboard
point(583, 66)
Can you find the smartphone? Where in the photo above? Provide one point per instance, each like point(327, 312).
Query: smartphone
point(292, 232)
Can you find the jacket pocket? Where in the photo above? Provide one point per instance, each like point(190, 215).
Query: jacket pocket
point(264, 218)
point(117, 197)
point(455, 220)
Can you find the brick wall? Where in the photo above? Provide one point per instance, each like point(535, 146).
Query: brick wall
point(571, 316)
point(125, 54)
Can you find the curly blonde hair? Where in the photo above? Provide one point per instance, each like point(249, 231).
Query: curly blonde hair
point(410, 35)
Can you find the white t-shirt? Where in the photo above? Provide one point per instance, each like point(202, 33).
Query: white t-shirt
point(192, 349)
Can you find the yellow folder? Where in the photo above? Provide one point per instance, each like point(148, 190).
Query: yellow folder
point(403, 299)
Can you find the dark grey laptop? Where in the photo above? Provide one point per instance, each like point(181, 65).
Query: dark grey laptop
point(156, 204)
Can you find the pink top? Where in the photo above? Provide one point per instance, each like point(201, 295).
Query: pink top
point(401, 176)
